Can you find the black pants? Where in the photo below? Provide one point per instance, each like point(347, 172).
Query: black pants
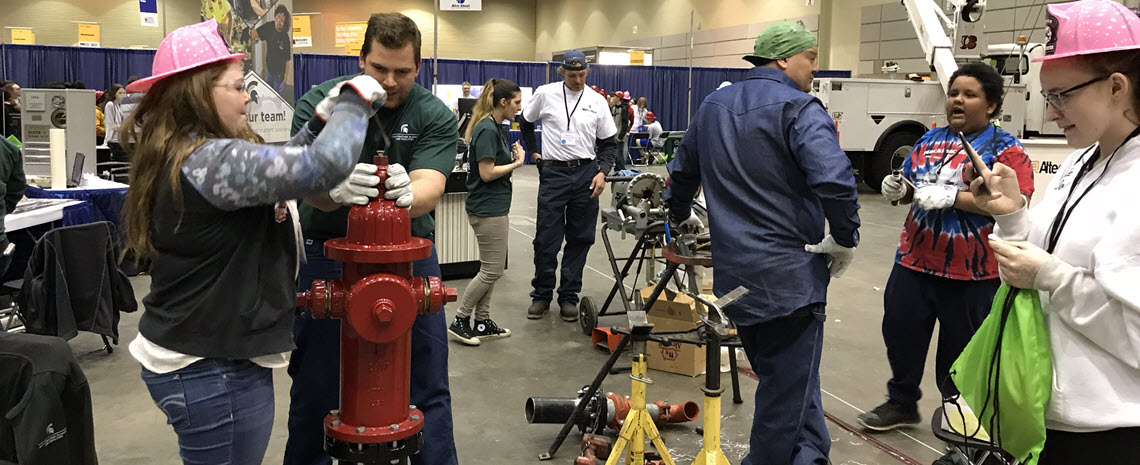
point(1119, 446)
point(565, 211)
point(912, 303)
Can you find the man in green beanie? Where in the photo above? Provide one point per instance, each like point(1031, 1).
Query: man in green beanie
point(773, 174)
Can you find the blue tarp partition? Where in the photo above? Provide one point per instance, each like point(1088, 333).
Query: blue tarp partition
point(35, 65)
point(312, 69)
point(665, 87)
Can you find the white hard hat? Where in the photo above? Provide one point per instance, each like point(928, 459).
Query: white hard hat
point(723, 85)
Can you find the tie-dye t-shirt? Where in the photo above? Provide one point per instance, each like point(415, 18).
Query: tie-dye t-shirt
point(954, 243)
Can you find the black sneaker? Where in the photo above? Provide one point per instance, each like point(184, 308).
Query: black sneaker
point(487, 329)
point(537, 310)
point(461, 330)
point(890, 415)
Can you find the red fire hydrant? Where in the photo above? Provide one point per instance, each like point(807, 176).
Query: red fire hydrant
point(377, 299)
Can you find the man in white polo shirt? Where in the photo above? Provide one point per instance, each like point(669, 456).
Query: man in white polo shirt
point(579, 148)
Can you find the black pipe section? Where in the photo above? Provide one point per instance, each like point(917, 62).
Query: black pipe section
point(545, 410)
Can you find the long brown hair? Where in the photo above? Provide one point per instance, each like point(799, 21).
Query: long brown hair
point(175, 117)
point(1126, 62)
point(493, 91)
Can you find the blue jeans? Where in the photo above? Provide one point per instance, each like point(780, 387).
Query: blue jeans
point(315, 369)
point(221, 410)
point(788, 426)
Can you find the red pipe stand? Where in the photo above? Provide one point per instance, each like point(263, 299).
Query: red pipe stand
point(377, 300)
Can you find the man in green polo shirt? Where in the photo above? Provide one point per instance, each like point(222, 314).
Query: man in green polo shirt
point(422, 132)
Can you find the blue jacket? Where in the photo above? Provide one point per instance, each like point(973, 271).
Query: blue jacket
point(772, 170)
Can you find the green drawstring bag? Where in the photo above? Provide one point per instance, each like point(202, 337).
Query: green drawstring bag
point(1005, 373)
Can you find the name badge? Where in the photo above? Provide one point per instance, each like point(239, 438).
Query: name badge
point(568, 140)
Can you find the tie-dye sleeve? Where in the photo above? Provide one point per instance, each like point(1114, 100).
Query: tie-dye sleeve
point(233, 173)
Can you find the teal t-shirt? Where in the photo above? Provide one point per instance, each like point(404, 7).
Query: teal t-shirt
point(488, 140)
point(423, 132)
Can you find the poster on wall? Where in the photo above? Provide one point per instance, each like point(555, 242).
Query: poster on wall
point(263, 31)
point(23, 36)
point(302, 32)
point(350, 33)
point(88, 34)
point(461, 5)
point(148, 13)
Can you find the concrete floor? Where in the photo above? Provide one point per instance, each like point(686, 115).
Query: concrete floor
point(550, 358)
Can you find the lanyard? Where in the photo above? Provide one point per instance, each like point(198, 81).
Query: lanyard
point(566, 104)
point(1066, 211)
point(942, 163)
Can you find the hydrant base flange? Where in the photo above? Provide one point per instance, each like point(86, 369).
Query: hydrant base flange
point(376, 434)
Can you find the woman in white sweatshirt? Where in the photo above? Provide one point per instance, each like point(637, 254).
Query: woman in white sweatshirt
point(1080, 246)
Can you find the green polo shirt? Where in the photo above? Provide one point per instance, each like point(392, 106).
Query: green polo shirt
point(423, 132)
point(488, 140)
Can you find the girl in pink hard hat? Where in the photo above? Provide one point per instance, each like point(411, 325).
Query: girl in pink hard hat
point(207, 205)
point(1080, 245)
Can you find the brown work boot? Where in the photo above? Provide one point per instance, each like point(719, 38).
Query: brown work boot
point(537, 310)
point(569, 312)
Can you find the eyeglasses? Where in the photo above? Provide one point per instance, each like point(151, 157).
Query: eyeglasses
point(1057, 99)
point(237, 86)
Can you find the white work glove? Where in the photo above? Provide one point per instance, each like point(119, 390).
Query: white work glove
point(363, 85)
point(893, 188)
point(935, 196)
point(325, 106)
point(691, 224)
point(359, 187)
point(367, 88)
point(399, 186)
point(838, 256)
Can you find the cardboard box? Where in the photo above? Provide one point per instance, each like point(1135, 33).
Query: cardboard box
point(674, 312)
point(682, 359)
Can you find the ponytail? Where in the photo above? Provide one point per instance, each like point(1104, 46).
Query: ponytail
point(493, 91)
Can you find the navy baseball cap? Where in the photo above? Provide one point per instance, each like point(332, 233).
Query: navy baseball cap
point(574, 60)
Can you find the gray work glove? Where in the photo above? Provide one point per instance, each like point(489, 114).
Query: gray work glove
point(359, 187)
point(399, 186)
point(893, 188)
point(692, 224)
point(838, 256)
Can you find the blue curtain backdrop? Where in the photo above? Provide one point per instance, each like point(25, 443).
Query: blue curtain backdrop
point(666, 87)
point(98, 68)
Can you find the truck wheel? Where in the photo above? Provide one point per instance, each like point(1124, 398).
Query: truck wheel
point(889, 157)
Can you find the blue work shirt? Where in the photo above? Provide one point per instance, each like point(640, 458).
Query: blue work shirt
point(772, 170)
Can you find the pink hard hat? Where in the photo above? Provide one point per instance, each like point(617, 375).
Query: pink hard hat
point(650, 116)
point(1088, 27)
point(186, 48)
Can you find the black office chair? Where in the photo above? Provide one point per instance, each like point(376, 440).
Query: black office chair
point(10, 320)
point(73, 282)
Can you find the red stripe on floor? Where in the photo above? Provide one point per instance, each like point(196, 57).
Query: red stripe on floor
point(858, 432)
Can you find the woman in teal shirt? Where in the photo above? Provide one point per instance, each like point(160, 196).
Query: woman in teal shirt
point(491, 162)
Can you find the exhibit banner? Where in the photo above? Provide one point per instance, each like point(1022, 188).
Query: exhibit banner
point(263, 31)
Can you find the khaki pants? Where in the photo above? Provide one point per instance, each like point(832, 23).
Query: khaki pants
point(491, 233)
